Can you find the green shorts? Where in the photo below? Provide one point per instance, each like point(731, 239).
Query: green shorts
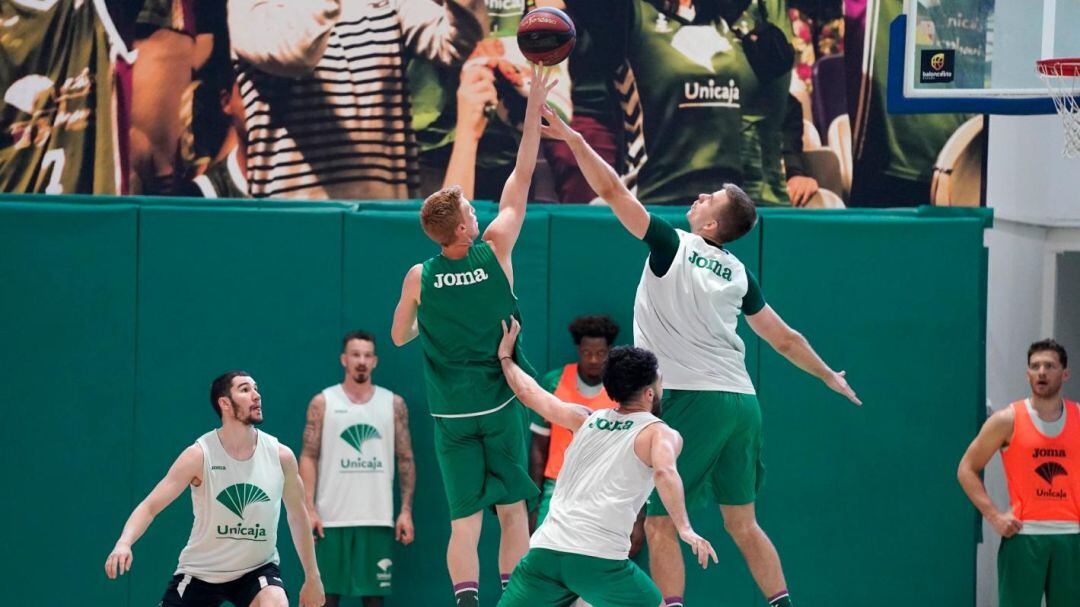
point(720, 461)
point(1029, 565)
point(557, 579)
point(356, 561)
point(484, 460)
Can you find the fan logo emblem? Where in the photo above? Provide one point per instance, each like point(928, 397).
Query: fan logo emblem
point(236, 498)
point(384, 575)
point(1048, 471)
point(357, 436)
point(938, 61)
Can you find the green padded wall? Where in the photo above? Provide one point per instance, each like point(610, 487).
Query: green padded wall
point(67, 366)
point(221, 289)
point(136, 307)
point(862, 501)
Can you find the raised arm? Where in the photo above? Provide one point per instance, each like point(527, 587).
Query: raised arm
point(529, 392)
point(404, 328)
point(309, 459)
point(282, 37)
point(994, 435)
point(601, 177)
point(794, 347)
point(664, 446)
point(186, 470)
point(311, 593)
point(406, 471)
point(503, 231)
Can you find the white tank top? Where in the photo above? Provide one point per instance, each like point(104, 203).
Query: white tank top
point(236, 512)
point(600, 490)
point(688, 318)
point(356, 462)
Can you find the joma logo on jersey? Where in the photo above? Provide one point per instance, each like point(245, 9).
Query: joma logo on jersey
point(709, 264)
point(604, 424)
point(711, 94)
point(1037, 453)
point(459, 279)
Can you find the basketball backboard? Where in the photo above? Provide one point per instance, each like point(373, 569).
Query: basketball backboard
point(978, 55)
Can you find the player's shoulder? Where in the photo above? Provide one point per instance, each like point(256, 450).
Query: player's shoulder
point(1001, 421)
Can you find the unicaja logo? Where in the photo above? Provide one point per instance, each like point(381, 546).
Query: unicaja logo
point(237, 498)
point(356, 436)
point(1048, 472)
point(384, 575)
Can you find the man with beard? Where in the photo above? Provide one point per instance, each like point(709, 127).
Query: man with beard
point(613, 463)
point(239, 477)
point(1039, 440)
point(354, 432)
point(686, 310)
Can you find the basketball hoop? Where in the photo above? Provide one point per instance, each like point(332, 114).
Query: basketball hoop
point(1062, 77)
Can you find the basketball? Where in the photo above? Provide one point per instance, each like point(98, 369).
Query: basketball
point(546, 36)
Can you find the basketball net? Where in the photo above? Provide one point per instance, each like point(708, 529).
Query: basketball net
point(1062, 77)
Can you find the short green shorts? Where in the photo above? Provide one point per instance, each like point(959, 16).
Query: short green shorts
point(720, 461)
point(557, 579)
point(356, 561)
point(484, 460)
point(1029, 565)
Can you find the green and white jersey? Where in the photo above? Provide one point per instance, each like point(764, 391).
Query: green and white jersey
point(56, 73)
point(601, 488)
point(224, 179)
point(462, 304)
point(687, 314)
point(236, 507)
point(356, 460)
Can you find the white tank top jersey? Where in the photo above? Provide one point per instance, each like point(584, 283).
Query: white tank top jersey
point(236, 512)
point(600, 490)
point(356, 463)
point(688, 318)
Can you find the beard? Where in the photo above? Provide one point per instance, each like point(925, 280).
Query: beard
point(361, 377)
point(657, 408)
point(248, 418)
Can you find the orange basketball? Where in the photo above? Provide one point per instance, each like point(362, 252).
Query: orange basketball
point(546, 36)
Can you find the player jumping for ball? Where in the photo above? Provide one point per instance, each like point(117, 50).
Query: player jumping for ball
point(454, 302)
point(691, 293)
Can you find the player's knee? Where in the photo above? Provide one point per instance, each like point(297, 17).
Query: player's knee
point(512, 514)
point(271, 596)
point(657, 527)
point(467, 528)
point(741, 529)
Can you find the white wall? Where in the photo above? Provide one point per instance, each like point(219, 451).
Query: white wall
point(1035, 194)
point(1028, 180)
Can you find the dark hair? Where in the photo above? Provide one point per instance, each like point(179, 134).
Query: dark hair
point(737, 217)
point(351, 335)
point(594, 326)
point(221, 386)
point(627, 371)
point(1049, 345)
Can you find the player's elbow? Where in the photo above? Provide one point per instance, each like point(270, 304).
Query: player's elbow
point(665, 473)
point(790, 341)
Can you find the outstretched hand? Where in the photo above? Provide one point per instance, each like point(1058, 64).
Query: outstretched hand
point(555, 128)
point(509, 339)
point(839, 384)
point(543, 80)
point(700, 546)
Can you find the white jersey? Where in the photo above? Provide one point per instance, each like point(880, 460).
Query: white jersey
point(600, 490)
point(688, 318)
point(236, 512)
point(356, 461)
